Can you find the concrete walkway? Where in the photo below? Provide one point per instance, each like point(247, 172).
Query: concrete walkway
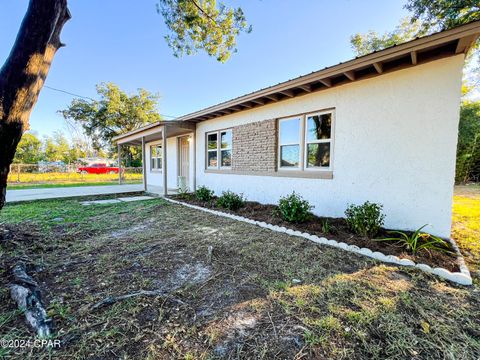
point(63, 192)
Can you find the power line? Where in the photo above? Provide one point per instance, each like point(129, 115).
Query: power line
point(89, 98)
point(68, 92)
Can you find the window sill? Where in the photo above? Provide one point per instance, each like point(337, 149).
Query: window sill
point(281, 173)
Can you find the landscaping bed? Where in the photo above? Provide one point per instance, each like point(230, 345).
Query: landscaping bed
point(338, 230)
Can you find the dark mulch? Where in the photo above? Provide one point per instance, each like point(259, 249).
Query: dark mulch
point(339, 231)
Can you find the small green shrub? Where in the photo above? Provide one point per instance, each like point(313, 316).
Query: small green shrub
point(365, 219)
point(231, 201)
point(418, 241)
point(293, 208)
point(204, 194)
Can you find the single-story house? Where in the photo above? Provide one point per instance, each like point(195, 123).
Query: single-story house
point(382, 127)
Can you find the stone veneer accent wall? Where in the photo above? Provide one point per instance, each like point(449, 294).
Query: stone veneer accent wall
point(255, 147)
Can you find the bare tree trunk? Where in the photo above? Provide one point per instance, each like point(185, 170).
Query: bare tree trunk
point(23, 74)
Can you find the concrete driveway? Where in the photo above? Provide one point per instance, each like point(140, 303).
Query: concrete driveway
point(63, 192)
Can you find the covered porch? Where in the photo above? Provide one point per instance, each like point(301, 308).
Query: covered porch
point(168, 153)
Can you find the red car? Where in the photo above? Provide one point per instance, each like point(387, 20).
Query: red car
point(98, 169)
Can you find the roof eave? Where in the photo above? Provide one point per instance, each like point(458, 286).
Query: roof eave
point(457, 40)
point(187, 125)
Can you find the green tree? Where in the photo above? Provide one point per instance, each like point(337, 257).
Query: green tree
point(77, 150)
point(468, 149)
point(56, 147)
point(203, 25)
point(29, 150)
point(444, 14)
point(372, 41)
point(209, 26)
point(50, 149)
point(427, 16)
point(115, 113)
point(59, 148)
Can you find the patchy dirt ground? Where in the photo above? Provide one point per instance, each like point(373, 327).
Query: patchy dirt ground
point(259, 295)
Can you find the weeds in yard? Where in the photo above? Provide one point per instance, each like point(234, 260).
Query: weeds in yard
point(312, 339)
point(326, 227)
point(59, 310)
point(77, 282)
point(8, 316)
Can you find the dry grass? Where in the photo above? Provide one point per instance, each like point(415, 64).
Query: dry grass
point(246, 303)
point(65, 178)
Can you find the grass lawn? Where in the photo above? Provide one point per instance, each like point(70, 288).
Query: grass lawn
point(466, 224)
point(73, 184)
point(260, 295)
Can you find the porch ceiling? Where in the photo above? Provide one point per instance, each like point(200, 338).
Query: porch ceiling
point(155, 132)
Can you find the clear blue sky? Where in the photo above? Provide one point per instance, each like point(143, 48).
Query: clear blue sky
point(122, 41)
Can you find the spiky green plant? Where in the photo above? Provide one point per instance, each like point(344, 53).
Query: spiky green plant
point(418, 240)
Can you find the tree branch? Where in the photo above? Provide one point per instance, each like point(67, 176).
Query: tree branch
point(205, 14)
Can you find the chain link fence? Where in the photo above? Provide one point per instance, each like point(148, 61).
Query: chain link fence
point(30, 174)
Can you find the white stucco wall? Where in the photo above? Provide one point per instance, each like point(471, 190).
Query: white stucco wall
point(395, 141)
point(155, 178)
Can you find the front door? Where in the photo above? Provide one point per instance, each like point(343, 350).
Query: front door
point(184, 158)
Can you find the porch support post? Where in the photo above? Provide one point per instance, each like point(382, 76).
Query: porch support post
point(164, 159)
point(119, 149)
point(194, 141)
point(144, 165)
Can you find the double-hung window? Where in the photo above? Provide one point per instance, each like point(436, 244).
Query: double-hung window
point(290, 142)
point(219, 149)
point(156, 157)
point(318, 140)
point(305, 142)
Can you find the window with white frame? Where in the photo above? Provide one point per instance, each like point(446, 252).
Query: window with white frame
point(305, 142)
point(289, 142)
point(318, 139)
point(219, 149)
point(156, 157)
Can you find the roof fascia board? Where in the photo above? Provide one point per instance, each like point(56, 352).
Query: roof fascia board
point(364, 61)
point(143, 131)
point(125, 138)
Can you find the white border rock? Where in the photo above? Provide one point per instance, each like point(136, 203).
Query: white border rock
point(463, 277)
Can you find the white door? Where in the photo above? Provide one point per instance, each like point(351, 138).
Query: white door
point(184, 158)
